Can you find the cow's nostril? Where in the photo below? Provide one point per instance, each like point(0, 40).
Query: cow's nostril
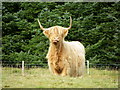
point(55, 40)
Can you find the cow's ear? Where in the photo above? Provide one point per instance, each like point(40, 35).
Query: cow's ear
point(46, 32)
point(65, 32)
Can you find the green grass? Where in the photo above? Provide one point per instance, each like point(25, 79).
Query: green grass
point(42, 78)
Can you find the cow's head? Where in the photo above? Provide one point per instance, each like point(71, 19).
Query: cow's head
point(56, 34)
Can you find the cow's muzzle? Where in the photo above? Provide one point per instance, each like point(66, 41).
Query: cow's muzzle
point(55, 40)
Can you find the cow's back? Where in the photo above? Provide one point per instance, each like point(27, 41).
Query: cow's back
point(74, 46)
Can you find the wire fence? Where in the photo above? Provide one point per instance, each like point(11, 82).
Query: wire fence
point(44, 64)
point(25, 67)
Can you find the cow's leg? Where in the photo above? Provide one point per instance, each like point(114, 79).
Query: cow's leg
point(64, 72)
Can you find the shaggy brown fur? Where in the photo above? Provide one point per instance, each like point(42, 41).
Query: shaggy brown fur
point(64, 58)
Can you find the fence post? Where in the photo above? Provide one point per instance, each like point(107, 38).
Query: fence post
point(22, 68)
point(88, 72)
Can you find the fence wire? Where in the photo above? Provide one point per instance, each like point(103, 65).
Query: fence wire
point(34, 67)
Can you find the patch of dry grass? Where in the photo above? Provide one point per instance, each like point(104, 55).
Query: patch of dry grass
point(42, 78)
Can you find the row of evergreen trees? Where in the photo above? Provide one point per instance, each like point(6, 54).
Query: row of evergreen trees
point(96, 25)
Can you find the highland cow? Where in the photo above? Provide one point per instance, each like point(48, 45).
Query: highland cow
point(64, 58)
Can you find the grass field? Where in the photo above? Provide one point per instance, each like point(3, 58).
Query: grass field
point(42, 78)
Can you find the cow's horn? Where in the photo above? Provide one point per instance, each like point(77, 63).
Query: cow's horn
point(70, 23)
point(41, 25)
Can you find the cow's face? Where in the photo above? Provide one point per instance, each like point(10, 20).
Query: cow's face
point(56, 34)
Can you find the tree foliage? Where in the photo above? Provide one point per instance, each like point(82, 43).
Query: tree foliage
point(96, 25)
